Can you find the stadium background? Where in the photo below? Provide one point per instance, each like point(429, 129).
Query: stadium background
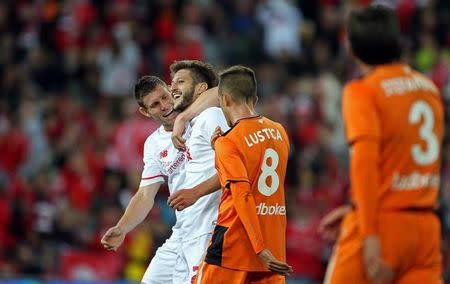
point(71, 139)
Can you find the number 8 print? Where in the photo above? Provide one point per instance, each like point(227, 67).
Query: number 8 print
point(269, 171)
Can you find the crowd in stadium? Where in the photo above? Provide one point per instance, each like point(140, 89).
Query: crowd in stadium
point(71, 137)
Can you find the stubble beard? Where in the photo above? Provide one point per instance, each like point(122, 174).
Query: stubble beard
point(186, 101)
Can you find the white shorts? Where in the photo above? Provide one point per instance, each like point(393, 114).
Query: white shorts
point(160, 269)
point(189, 258)
point(176, 262)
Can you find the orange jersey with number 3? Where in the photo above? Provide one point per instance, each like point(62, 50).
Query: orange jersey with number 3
point(402, 111)
point(254, 151)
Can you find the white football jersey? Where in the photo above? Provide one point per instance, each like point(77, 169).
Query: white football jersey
point(200, 166)
point(162, 161)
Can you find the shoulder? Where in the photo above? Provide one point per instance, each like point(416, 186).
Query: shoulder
point(154, 140)
point(210, 113)
point(208, 120)
point(355, 87)
point(426, 81)
point(280, 127)
point(357, 90)
point(224, 144)
point(155, 136)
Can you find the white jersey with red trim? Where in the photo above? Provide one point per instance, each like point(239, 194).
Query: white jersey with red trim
point(163, 162)
point(200, 166)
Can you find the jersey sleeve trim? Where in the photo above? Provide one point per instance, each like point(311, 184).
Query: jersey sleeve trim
point(238, 179)
point(155, 179)
point(152, 177)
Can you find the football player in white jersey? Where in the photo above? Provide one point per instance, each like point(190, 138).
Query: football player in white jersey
point(190, 79)
point(161, 160)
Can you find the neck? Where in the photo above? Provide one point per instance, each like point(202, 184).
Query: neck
point(195, 97)
point(240, 112)
point(168, 127)
point(365, 68)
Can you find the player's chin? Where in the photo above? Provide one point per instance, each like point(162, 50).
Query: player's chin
point(179, 105)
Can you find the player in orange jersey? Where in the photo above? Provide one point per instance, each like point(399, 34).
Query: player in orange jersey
point(394, 125)
point(248, 244)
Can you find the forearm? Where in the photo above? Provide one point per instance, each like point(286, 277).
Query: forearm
point(245, 206)
point(208, 186)
point(138, 208)
point(207, 99)
point(364, 177)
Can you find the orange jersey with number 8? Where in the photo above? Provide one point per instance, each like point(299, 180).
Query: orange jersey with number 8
point(254, 151)
point(402, 110)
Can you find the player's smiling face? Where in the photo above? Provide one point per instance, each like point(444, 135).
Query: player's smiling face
point(182, 89)
point(159, 106)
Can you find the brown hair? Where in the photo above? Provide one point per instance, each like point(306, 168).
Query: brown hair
point(239, 81)
point(201, 71)
point(146, 85)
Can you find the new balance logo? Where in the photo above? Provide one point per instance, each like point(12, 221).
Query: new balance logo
point(263, 209)
point(163, 154)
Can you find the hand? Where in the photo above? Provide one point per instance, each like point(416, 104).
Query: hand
point(376, 270)
point(113, 238)
point(330, 225)
point(217, 133)
point(273, 264)
point(183, 198)
point(177, 133)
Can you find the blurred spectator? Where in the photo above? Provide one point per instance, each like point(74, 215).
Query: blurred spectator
point(128, 138)
point(14, 146)
point(281, 20)
point(305, 256)
point(118, 63)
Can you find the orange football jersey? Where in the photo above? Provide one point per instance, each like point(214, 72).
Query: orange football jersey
point(254, 151)
point(402, 111)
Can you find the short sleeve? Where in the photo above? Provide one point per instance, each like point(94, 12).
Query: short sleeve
point(229, 164)
point(214, 117)
point(152, 171)
point(360, 114)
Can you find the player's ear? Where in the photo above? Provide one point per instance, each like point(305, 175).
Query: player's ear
point(227, 99)
point(144, 112)
point(255, 100)
point(348, 47)
point(201, 87)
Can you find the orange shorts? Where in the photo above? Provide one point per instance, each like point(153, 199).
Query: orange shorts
point(410, 243)
point(213, 274)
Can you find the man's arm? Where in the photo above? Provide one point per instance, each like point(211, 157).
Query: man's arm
point(330, 225)
point(363, 131)
point(364, 177)
point(365, 181)
point(245, 206)
point(138, 208)
point(186, 197)
point(207, 99)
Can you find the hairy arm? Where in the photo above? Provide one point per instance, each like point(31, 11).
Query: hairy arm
point(138, 208)
point(186, 197)
point(207, 99)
